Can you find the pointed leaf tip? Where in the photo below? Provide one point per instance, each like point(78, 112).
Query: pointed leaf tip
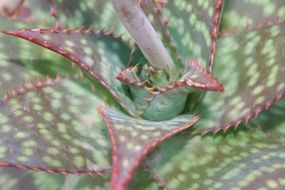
point(198, 77)
point(132, 139)
point(90, 50)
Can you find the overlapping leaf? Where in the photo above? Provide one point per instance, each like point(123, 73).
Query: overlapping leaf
point(133, 138)
point(238, 160)
point(251, 67)
point(28, 61)
point(153, 12)
point(87, 13)
point(249, 14)
point(272, 122)
point(100, 54)
point(193, 26)
point(13, 179)
point(30, 14)
point(51, 125)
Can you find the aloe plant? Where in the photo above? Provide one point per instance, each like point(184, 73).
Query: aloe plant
point(142, 94)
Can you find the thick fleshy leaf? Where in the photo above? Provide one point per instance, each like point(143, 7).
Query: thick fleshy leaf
point(272, 122)
point(194, 27)
point(87, 13)
point(244, 160)
point(51, 126)
point(14, 179)
point(30, 14)
point(153, 12)
point(248, 14)
point(7, 77)
point(133, 138)
point(251, 67)
point(165, 102)
point(91, 51)
point(28, 61)
point(36, 11)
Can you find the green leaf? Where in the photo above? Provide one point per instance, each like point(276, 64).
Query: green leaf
point(51, 126)
point(245, 159)
point(132, 139)
point(193, 26)
point(153, 12)
point(272, 122)
point(30, 14)
point(239, 16)
point(168, 100)
point(100, 54)
point(28, 61)
point(88, 13)
point(141, 180)
point(251, 67)
point(14, 179)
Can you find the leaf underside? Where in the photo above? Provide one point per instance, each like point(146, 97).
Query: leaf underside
point(133, 138)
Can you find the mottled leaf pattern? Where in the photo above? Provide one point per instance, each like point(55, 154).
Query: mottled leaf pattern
point(275, 128)
point(7, 78)
point(52, 128)
point(16, 179)
point(248, 14)
point(253, 68)
point(52, 125)
point(28, 61)
point(133, 138)
point(88, 13)
point(13, 179)
point(91, 51)
point(193, 27)
point(153, 12)
point(30, 14)
point(238, 160)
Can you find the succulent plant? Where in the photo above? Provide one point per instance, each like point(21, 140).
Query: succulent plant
point(161, 95)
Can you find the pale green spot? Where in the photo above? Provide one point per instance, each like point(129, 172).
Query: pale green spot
point(144, 137)
point(130, 146)
point(28, 152)
point(65, 116)
point(48, 116)
point(272, 184)
point(122, 138)
point(6, 128)
point(3, 119)
point(23, 159)
point(61, 127)
point(53, 151)
point(29, 143)
point(66, 136)
point(37, 107)
point(6, 76)
point(73, 150)
point(18, 113)
point(28, 119)
point(79, 162)
point(21, 134)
